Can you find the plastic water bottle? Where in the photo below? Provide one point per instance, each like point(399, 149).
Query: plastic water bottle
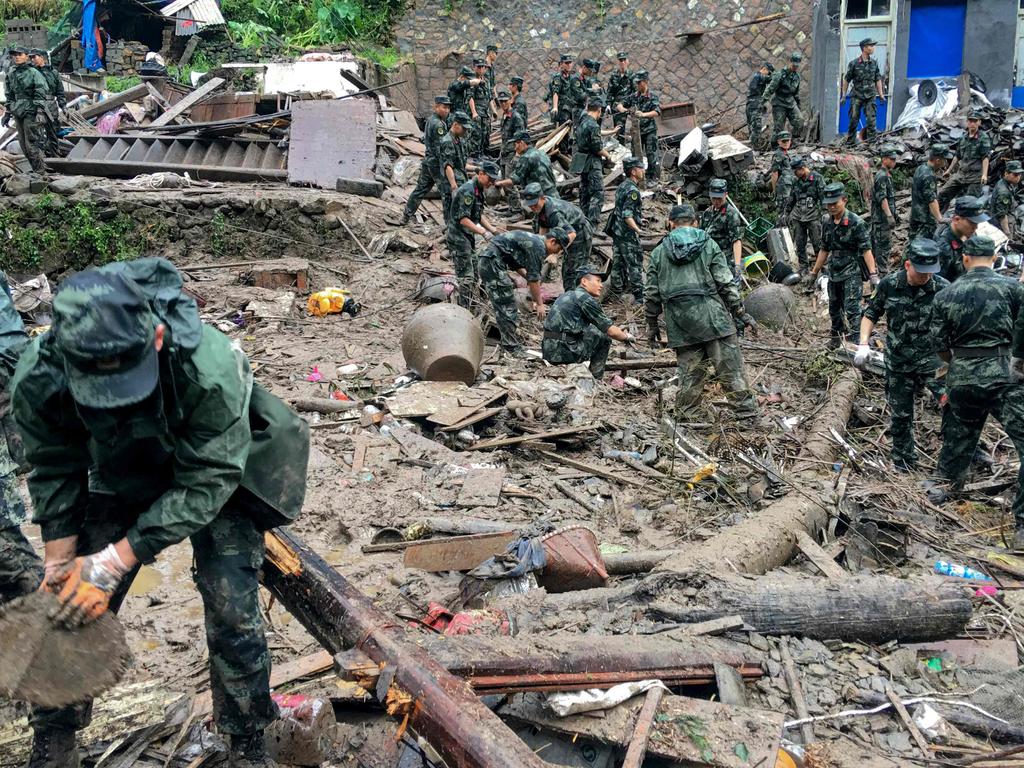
point(960, 571)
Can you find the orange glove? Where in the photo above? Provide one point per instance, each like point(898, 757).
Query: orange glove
point(88, 587)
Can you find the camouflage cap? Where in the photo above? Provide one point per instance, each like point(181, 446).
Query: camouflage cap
point(768, 65)
point(589, 269)
point(834, 192)
point(783, 135)
point(479, 62)
point(970, 208)
point(516, 80)
point(632, 162)
point(889, 151)
point(18, 49)
point(523, 136)
point(560, 235)
point(938, 150)
point(924, 255)
point(504, 95)
point(442, 99)
point(595, 102)
point(975, 114)
point(532, 193)
point(797, 162)
point(39, 52)
point(492, 48)
point(491, 169)
point(796, 57)
point(1013, 166)
point(462, 118)
point(641, 75)
point(718, 188)
point(466, 72)
point(979, 245)
point(105, 329)
point(682, 212)
point(588, 63)
point(566, 58)
point(867, 41)
point(623, 56)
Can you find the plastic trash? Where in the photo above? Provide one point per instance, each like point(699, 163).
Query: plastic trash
point(960, 571)
point(304, 733)
point(332, 301)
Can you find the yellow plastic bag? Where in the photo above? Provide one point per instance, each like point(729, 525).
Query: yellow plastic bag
point(329, 301)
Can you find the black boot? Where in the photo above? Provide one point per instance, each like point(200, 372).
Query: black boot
point(53, 748)
point(249, 751)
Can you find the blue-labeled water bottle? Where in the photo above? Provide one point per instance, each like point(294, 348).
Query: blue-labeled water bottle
point(960, 571)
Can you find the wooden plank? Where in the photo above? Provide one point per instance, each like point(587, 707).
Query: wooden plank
point(911, 726)
point(466, 405)
point(132, 94)
point(819, 557)
point(193, 98)
point(642, 732)
point(411, 147)
point(457, 553)
point(579, 498)
point(482, 487)
point(796, 693)
point(713, 626)
point(589, 468)
point(477, 417)
point(506, 441)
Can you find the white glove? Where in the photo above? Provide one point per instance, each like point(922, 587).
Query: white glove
point(1017, 370)
point(487, 236)
point(863, 353)
point(874, 279)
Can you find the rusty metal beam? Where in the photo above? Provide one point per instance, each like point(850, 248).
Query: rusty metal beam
point(438, 706)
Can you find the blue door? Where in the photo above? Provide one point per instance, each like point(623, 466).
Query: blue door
point(936, 45)
point(844, 116)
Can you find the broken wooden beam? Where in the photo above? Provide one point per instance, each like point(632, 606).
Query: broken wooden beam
point(639, 365)
point(642, 732)
point(188, 102)
point(796, 692)
point(529, 438)
point(132, 94)
point(819, 557)
point(437, 706)
point(456, 553)
point(325, 405)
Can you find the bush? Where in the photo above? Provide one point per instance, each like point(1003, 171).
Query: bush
point(309, 23)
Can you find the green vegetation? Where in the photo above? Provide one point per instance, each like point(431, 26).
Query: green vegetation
point(37, 10)
point(854, 193)
point(822, 369)
point(118, 84)
point(75, 237)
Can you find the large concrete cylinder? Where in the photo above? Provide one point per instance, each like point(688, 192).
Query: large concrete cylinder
point(772, 305)
point(443, 342)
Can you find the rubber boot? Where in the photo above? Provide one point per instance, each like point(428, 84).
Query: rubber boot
point(249, 751)
point(54, 748)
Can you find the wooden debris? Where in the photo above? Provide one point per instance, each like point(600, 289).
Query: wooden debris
point(819, 557)
point(570, 493)
point(911, 726)
point(590, 469)
point(796, 693)
point(188, 102)
point(457, 553)
point(482, 487)
point(507, 441)
point(326, 406)
point(642, 732)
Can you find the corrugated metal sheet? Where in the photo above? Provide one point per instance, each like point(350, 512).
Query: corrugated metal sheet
point(193, 15)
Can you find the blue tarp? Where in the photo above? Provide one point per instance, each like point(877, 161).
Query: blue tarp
point(936, 47)
point(92, 53)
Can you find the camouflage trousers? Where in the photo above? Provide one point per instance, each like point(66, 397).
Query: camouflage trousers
point(881, 243)
point(460, 251)
point(21, 570)
point(427, 181)
point(228, 554)
point(444, 189)
point(502, 292)
point(575, 256)
point(589, 347)
point(844, 297)
point(724, 355)
point(509, 163)
point(592, 192)
point(627, 266)
point(791, 112)
point(755, 125)
point(482, 133)
point(969, 407)
point(901, 389)
point(869, 109)
point(804, 231)
point(619, 121)
point(960, 183)
point(32, 140)
point(921, 229)
point(782, 190)
point(650, 142)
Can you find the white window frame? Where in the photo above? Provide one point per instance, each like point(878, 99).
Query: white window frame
point(887, 23)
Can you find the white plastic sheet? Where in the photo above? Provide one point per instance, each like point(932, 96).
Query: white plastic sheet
point(565, 704)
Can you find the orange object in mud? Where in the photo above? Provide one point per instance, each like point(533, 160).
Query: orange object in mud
point(330, 301)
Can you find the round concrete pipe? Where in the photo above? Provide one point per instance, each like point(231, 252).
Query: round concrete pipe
point(443, 342)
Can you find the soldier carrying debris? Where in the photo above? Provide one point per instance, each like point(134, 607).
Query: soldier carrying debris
point(550, 213)
point(144, 427)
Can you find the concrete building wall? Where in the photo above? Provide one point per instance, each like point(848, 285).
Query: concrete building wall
point(711, 70)
point(989, 46)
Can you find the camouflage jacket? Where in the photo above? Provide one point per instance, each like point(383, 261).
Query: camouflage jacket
point(781, 164)
point(846, 241)
point(951, 252)
point(620, 86)
point(518, 250)
point(511, 123)
point(562, 213)
point(569, 90)
point(923, 191)
point(756, 88)
point(459, 93)
point(592, 86)
point(644, 102)
point(688, 276)
point(588, 141)
point(451, 150)
point(1003, 200)
point(784, 89)
point(13, 338)
point(806, 197)
point(180, 454)
point(26, 91)
point(972, 151)
point(573, 312)
point(434, 130)
point(981, 310)
point(482, 95)
point(467, 202)
point(882, 189)
point(908, 312)
point(628, 205)
point(54, 84)
point(863, 75)
point(519, 105)
point(723, 226)
point(534, 165)
point(491, 78)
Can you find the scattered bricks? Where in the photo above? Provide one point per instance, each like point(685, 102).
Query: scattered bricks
point(290, 273)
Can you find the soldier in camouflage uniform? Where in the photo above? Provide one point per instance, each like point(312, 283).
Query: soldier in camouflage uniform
point(577, 330)
point(978, 328)
point(460, 92)
point(430, 173)
point(968, 213)
point(512, 124)
point(515, 87)
point(924, 199)
point(620, 88)
point(21, 570)
point(27, 97)
point(723, 225)
point(784, 94)
point(1003, 201)
point(968, 172)
point(846, 248)
point(481, 111)
point(755, 107)
point(525, 253)
point(804, 210)
point(689, 278)
point(552, 213)
point(591, 84)
point(865, 82)
point(624, 226)
point(565, 92)
point(466, 222)
point(490, 58)
point(588, 142)
point(883, 210)
point(58, 101)
point(451, 160)
point(905, 298)
point(531, 167)
point(645, 106)
point(781, 172)
point(143, 427)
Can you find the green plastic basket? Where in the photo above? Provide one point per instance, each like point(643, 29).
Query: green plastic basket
point(758, 229)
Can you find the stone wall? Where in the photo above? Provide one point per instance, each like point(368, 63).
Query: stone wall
point(711, 70)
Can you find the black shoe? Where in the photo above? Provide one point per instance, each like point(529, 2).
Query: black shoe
point(54, 748)
point(249, 751)
point(405, 218)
